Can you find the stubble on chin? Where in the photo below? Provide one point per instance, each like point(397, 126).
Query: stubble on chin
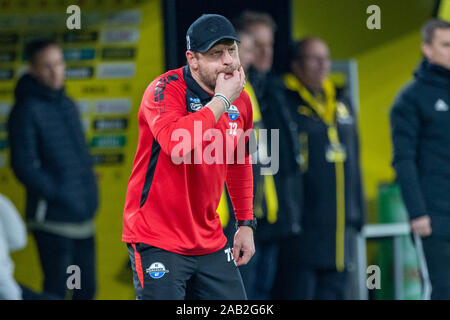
point(209, 79)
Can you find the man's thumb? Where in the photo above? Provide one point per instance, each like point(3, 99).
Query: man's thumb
point(236, 251)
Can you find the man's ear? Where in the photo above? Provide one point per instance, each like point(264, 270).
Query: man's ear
point(192, 59)
point(426, 50)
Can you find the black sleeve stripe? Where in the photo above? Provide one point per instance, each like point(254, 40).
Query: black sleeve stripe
point(156, 148)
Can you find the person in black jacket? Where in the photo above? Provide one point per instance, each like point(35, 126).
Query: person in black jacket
point(333, 202)
point(420, 122)
point(50, 157)
point(276, 195)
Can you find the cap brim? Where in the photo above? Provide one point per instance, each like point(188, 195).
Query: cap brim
point(209, 45)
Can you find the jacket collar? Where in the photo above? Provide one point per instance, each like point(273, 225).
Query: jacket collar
point(194, 87)
point(30, 86)
point(432, 73)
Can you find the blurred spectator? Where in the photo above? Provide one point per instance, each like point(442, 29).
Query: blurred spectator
point(333, 204)
point(246, 57)
point(13, 237)
point(420, 122)
point(262, 27)
point(50, 157)
point(275, 205)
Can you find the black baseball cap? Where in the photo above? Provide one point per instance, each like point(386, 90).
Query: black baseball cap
point(207, 30)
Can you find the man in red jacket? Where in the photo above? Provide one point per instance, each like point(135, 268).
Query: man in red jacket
point(194, 127)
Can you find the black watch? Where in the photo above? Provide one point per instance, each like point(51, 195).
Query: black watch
point(249, 223)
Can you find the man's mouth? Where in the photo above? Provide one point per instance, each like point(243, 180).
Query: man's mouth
point(229, 71)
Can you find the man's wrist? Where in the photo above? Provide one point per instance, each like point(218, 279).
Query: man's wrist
point(245, 227)
point(246, 223)
point(225, 101)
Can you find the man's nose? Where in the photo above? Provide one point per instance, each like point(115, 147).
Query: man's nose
point(227, 58)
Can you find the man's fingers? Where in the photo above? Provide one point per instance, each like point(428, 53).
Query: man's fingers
point(421, 225)
point(241, 76)
point(221, 76)
point(421, 230)
point(235, 74)
point(242, 73)
point(244, 259)
point(237, 251)
point(241, 254)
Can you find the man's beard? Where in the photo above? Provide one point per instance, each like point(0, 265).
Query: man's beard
point(209, 79)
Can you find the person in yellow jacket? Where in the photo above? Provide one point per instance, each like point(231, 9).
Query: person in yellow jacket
point(333, 205)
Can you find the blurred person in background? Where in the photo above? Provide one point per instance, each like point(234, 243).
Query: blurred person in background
point(13, 237)
point(50, 157)
point(225, 209)
point(276, 197)
point(333, 203)
point(420, 127)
